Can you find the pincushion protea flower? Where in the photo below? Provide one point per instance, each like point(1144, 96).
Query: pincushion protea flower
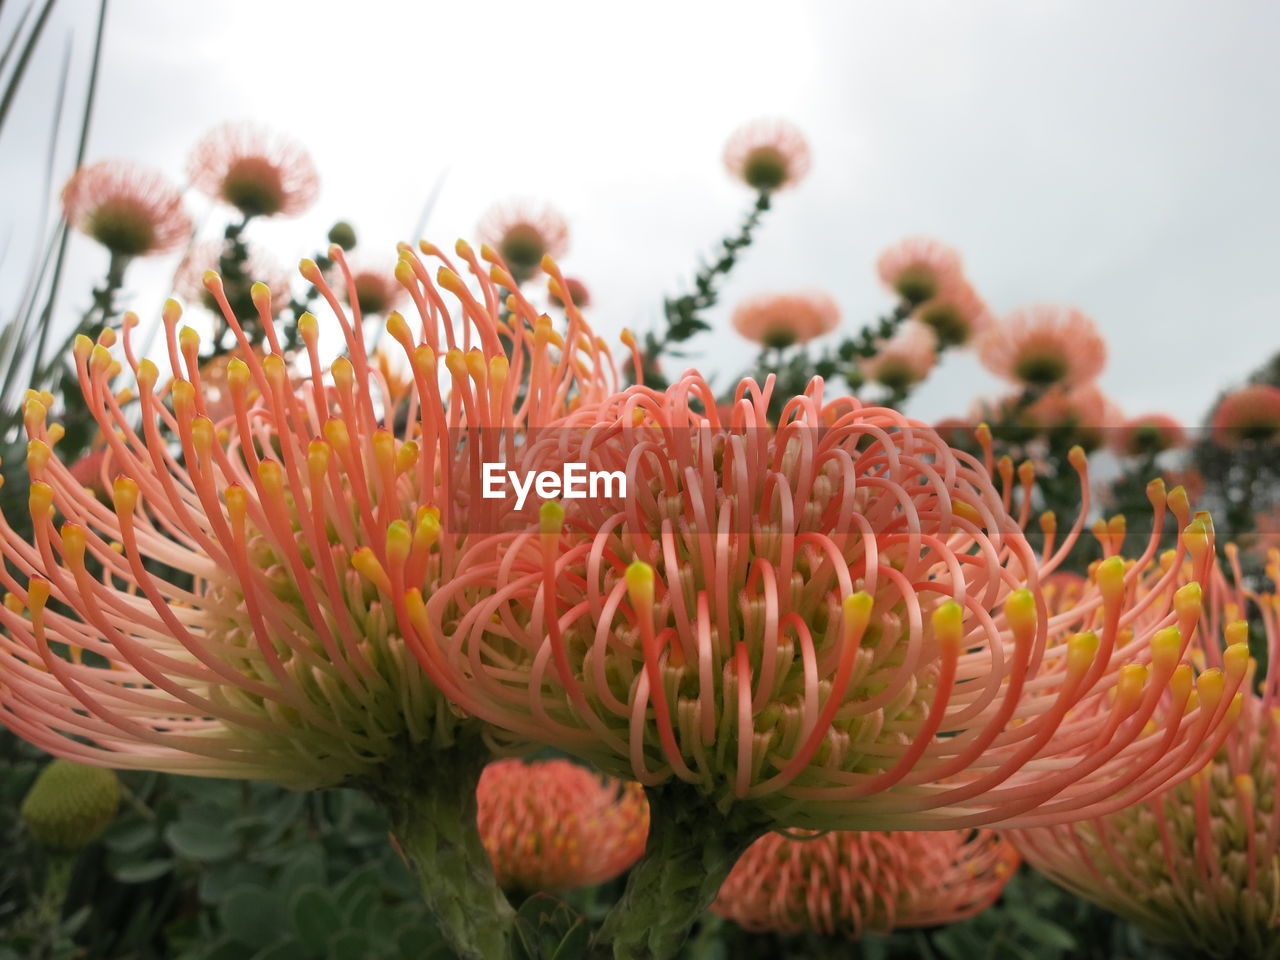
point(767, 155)
point(850, 883)
point(1250, 414)
point(956, 314)
point(554, 825)
point(918, 269)
point(1044, 345)
point(374, 290)
point(778, 321)
point(1198, 864)
point(903, 360)
point(130, 210)
point(1148, 434)
point(258, 171)
point(188, 282)
point(833, 624)
point(242, 607)
point(523, 233)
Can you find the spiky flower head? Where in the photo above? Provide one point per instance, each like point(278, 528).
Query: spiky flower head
point(956, 314)
point(1148, 434)
point(785, 319)
point(918, 269)
point(1043, 346)
point(70, 805)
point(259, 171)
point(130, 210)
point(852, 883)
point(1248, 415)
point(523, 233)
point(374, 290)
point(1195, 865)
point(554, 825)
point(576, 290)
point(767, 155)
point(903, 360)
point(246, 606)
point(836, 623)
point(188, 282)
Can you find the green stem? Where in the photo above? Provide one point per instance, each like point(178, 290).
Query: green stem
point(431, 804)
point(683, 313)
point(691, 849)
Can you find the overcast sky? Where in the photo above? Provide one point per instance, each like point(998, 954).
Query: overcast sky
point(1119, 157)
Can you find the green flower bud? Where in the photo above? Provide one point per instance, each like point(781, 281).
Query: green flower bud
point(70, 804)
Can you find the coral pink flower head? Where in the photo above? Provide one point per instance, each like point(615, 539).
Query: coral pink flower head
point(1147, 434)
point(767, 155)
point(904, 360)
point(956, 314)
point(1195, 864)
point(783, 319)
point(256, 170)
point(130, 210)
point(1250, 414)
point(1042, 346)
point(188, 282)
point(375, 289)
point(523, 233)
point(920, 268)
point(296, 534)
point(577, 293)
point(848, 883)
point(553, 825)
point(831, 623)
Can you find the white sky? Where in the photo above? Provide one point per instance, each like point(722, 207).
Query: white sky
point(1120, 157)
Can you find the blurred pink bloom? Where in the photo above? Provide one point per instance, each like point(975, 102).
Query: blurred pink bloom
point(130, 210)
point(188, 282)
point(258, 171)
point(781, 320)
point(956, 314)
point(1150, 433)
point(904, 360)
point(920, 268)
point(767, 155)
point(578, 293)
point(1250, 414)
point(554, 825)
point(1043, 345)
point(851, 883)
point(375, 289)
point(523, 233)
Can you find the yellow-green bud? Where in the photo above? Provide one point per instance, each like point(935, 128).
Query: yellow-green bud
point(70, 804)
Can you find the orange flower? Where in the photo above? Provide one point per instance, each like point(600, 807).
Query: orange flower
point(1150, 433)
point(1251, 414)
point(523, 233)
point(258, 171)
point(956, 314)
point(1196, 863)
point(781, 320)
point(920, 268)
point(130, 210)
point(188, 282)
point(905, 359)
point(555, 825)
point(578, 293)
point(767, 155)
point(852, 883)
point(1042, 346)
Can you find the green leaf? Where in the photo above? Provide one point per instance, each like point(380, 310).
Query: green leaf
point(348, 945)
point(285, 950)
point(141, 872)
point(196, 841)
point(315, 916)
point(125, 837)
point(1042, 929)
point(252, 915)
